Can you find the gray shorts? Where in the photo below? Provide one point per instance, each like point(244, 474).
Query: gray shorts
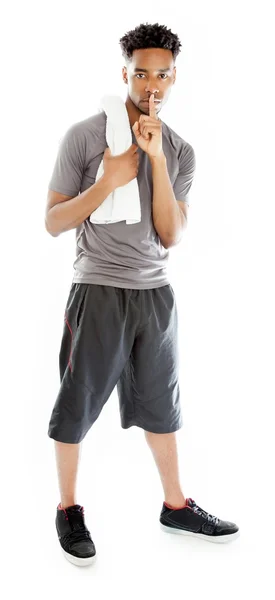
point(118, 336)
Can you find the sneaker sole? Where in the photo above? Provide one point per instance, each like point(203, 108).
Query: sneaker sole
point(217, 539)
point(79, 562)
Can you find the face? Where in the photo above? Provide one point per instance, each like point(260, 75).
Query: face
point(151, 71)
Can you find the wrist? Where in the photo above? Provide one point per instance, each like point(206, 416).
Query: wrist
point(158, 159)
point(108, 182)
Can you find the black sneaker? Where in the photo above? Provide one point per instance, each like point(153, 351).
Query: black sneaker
point(193, 520)
point(74, 537)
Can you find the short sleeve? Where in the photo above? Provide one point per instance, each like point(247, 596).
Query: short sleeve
point(187, 167)
point(70, 163)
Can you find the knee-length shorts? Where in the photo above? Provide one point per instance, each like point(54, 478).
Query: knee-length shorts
point(118, 336)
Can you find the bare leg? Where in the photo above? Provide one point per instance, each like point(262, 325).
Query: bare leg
point(164, 449)
point(67, 458)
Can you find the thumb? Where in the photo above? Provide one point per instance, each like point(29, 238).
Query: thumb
point(107, 151)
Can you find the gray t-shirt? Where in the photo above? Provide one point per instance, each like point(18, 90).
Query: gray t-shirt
point(117, 254)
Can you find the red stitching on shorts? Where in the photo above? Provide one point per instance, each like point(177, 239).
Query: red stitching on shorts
point(70, 329)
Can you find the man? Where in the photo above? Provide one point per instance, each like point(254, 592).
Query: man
point(121, 315)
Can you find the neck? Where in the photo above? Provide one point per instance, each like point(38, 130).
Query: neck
point(133, 112)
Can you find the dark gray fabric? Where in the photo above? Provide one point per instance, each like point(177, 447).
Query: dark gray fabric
point(125, 337)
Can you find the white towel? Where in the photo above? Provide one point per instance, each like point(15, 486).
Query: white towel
point(124, 202)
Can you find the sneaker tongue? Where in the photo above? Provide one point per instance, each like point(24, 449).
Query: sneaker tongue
point(197, 508)
point(74, 508)
point(75, 517)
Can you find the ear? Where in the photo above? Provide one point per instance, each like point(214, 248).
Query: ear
point(124, 75)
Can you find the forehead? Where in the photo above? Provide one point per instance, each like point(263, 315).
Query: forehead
point(152, 59)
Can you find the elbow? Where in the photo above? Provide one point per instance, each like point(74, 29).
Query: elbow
point(173, 241)
point(176, 239)
point(49, 228)
point(168, 242)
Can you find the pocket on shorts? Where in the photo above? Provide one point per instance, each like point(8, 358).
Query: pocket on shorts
point(75, 304)
point(81, 303)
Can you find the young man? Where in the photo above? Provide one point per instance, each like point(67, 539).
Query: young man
point(121, 315)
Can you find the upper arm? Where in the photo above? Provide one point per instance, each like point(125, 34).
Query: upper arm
point(69, 165)
point(68, 170)
point(183, 182)
point(54, 198)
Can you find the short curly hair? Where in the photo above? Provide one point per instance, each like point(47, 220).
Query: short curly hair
point(149, 36)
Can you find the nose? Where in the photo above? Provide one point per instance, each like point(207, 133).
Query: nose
point(151, 90)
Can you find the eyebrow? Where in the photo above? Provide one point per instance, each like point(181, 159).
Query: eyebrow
point(146, 71)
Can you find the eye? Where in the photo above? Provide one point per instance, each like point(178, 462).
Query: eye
point(161, 74)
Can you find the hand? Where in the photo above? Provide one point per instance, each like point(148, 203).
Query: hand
point(121, 168)
point(148, 131)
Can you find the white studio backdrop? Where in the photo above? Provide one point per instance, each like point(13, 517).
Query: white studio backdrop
point(60, 59)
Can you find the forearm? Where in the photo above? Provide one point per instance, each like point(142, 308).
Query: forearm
point(169, 220)
point(71, 213)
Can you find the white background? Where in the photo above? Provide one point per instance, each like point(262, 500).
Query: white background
point(58, 59)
